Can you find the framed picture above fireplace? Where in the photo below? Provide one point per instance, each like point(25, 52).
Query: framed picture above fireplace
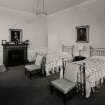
point(15, 35)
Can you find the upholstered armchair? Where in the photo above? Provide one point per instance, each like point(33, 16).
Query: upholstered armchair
point(66, 85)
point(37, 68)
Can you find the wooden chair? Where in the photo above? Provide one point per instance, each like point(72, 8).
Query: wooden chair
point(37, 68)
point(67, 85)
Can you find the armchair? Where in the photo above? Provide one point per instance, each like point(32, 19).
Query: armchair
point(37, 68)
point(66, 86)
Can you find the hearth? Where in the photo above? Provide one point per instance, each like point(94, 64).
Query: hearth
point(14, 54)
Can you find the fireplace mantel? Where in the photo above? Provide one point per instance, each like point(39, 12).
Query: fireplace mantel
point(14, 54)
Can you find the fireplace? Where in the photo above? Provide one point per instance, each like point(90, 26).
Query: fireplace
point(14, 54)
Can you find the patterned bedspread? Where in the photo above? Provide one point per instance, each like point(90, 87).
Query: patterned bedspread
point(94, 72)
point(54, 62)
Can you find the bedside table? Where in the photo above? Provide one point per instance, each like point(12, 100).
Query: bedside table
point(78, 58)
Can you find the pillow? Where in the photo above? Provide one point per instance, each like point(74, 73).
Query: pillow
point(71, 71)
point(66, 55)
point(38, 60)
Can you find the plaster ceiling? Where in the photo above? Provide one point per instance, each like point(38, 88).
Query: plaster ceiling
point(51, 6)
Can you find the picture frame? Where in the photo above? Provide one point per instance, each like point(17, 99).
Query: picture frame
point(15, 35)
point(82, 34)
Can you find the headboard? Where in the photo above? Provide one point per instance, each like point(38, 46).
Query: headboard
point(68, 49)
point(97, 51)
point(93, 51)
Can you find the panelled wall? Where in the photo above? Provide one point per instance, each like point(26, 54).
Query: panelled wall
point(61, 25)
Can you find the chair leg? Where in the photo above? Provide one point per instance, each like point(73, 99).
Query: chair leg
point(25, 73)
point(30, 75)
point(64, 99)
point(51, 89)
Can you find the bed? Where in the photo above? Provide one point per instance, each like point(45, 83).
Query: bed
point(91, 73)
point(54, 60)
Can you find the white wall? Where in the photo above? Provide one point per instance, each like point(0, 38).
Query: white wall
point(61, 25)
point(34, 27)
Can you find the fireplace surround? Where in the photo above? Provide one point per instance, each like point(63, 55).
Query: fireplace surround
point(14, 54)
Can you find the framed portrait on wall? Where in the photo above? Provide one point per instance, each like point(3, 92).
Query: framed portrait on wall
point(15, 35)
point(82, 34)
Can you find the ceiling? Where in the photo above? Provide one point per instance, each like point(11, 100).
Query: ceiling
point(51, 6)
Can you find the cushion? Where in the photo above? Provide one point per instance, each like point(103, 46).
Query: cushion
point(63, 85)
point(66, 55)
point(71, 71)
point(38, 60)
point(32, 67)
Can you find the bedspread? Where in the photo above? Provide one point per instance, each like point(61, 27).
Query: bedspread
point(55, 62)
point(94, 72)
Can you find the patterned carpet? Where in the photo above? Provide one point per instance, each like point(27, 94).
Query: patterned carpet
point(16, 89)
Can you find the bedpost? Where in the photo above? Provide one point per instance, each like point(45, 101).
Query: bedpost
point(63, 65)
point(84, 80)
point(72, 50)
point(91, 51)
